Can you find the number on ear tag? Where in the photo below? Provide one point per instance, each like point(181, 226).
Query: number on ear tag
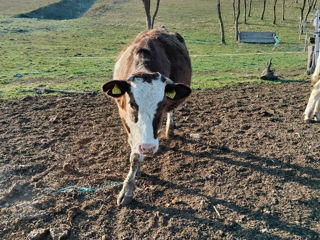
point(171, 94)
point(116, 89)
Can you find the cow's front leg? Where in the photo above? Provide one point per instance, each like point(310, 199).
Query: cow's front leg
point(169, 125)
point(126, 194)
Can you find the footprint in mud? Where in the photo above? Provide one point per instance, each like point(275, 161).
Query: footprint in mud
point(18, 192)
point(84, 141)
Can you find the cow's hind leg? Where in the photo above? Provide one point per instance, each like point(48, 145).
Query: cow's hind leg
point(313, 99)
point(126, 194)
point(169, 125)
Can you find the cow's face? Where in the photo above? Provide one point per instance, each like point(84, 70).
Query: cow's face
point(143, 99)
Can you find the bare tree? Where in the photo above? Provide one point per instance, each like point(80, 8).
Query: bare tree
point(283, 9)
point(245, 12)
point(221, 23)
point(314, 5)
point(310, 6)
point(150, 21)
point(304, 19)
point(234, 10)
point(146, 4)
point(236, 22)
point(155, 13)
point(264, 9)
point(250, 3)
point(301, 17)
point(274, 11)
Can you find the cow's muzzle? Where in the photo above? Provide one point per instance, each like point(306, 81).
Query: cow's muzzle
point(147, 149)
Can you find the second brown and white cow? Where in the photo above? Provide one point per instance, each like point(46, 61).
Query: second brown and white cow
point(153, 76)
point(312, 111)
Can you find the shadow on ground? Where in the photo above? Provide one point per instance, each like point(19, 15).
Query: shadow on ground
point(63, 10)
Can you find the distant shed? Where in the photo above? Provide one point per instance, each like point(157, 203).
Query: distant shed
point(257, 37)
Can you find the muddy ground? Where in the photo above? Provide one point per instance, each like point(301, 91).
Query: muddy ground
point(242, 165)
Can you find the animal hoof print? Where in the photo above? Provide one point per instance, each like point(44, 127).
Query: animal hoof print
point(170, 135)
point(124, 199)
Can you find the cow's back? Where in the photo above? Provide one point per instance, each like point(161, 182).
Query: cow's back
point(156, 50)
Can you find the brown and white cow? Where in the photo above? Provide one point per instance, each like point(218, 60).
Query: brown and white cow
point(153, 75)
point(311, 112)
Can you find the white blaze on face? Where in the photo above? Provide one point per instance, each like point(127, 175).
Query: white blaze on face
point(147, 96)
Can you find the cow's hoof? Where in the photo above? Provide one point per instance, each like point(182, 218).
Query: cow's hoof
point(316, 118)
point(308, 120)
point(124, 199)
point(169, 134)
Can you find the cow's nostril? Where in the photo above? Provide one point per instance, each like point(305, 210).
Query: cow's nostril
point(140, 148)
point(147, 148)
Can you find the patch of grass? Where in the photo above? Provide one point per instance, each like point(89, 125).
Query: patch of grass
point(79, 54)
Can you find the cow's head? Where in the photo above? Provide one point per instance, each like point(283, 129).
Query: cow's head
point(142, 100)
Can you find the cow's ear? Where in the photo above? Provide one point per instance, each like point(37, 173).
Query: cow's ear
point(177, 91)
point(116, 88)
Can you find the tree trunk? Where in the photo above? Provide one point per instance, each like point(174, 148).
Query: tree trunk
point(283, 9)
point(267, 73)
point(146, 4)
point(155, 13)
point(275, 11)
point(221, 23)
point(234, 10)
point(249, 14)
point(311, 3)
point(237, 22)
point(150, 22)
point(245, 12)
point(264, 9)
point(301, 18)
point(314, 5)
point(304, 19)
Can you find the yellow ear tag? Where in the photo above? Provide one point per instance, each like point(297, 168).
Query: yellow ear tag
point(171, 95)
point(116, 89)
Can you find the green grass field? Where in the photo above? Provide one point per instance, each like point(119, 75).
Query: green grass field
point(79, 54)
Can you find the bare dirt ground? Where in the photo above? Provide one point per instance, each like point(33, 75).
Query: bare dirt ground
point(242, 165)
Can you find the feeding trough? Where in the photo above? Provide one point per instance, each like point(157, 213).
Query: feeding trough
point(257, 37)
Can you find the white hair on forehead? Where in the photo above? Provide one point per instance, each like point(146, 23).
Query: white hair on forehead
point(148, 94)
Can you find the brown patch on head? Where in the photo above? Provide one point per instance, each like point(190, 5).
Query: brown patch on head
point(134, 108)
point(126, 127)
point(158, 118)
point(146, 77)
point(122, 106)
